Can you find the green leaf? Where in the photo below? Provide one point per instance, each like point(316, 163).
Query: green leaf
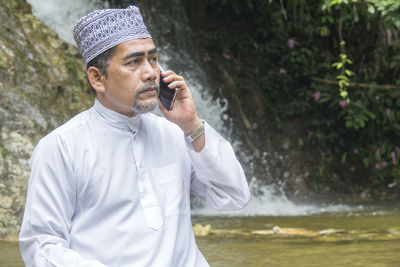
point(371, 9)
point(342, 77)
point(344, 156)
point(324, 31)
point(366, 162)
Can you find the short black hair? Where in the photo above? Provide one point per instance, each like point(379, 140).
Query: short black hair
point(101, 62)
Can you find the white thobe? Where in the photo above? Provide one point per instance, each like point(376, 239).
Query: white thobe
point(110, 190)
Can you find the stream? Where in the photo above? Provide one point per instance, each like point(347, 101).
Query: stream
point(361, 237)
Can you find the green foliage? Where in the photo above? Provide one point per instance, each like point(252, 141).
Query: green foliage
point(371, 121)
point(3, 61)
point(3, 151)
point(80, 81)
point(20, 5)
point(75, 104)
point(73, 67)
point(344, 76)
point(336, 62)
point(388, 9)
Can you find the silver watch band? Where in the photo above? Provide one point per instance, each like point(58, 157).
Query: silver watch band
point(195, 134)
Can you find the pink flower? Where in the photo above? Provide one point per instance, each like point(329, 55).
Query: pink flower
point(378, 151)
point(309, 133)
point(317, 95)
point(387, 112)
point(291, 43)
point(384, 164)
point(343, 103)
point(226, 56)
point(282, 71)
point(377, 97)
point(377, 166)
point(355, 151)
point(389, 36)
point(394, 160)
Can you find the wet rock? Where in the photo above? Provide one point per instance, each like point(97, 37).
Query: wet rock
point(229, 232)
point(263, 232)
point(293, 231)
point(394, 232)
point(201, 230)
point(331, 231)
point(33, 61)
point(6, 202)
point(365, 195)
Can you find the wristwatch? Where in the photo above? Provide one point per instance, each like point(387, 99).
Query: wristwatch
point(195, 134)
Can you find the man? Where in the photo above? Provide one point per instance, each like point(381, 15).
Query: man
point(111, 187)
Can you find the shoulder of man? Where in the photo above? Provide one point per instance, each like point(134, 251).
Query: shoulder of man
point(71, 124)
point(74, 122)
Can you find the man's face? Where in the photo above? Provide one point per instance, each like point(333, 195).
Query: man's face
point(132, 77)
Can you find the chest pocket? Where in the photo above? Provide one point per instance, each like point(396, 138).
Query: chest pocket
point(173, 193)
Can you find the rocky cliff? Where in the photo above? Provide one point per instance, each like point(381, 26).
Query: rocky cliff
point(42, 84)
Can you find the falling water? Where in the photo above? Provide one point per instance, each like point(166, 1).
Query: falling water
point(170, 34)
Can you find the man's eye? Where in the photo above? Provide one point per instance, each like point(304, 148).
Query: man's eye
point(153, 60)
point(133, 62)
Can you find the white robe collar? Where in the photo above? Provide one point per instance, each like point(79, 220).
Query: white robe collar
point(116, 119)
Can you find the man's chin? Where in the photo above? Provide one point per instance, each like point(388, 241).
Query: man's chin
point(141, 107)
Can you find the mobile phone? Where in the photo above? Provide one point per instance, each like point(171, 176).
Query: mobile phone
point(166, 95)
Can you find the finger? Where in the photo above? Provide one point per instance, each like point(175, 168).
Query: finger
point(176, 84)
point(172, 77)
point(167, 73)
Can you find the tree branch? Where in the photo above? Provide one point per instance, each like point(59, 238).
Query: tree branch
point(360, 85)
point(283, 10)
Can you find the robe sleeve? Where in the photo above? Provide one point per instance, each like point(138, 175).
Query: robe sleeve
point(218, 176)
point(51, 198)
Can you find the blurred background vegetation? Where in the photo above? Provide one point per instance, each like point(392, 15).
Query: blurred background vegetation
point(333, 63)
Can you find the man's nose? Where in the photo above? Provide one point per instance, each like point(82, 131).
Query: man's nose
point(149, 71)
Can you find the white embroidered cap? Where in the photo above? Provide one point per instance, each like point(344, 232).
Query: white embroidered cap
point(100, 30)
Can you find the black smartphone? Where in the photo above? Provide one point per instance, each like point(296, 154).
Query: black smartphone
point(166, 95)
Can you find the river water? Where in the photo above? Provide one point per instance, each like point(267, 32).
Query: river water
point(363, 237)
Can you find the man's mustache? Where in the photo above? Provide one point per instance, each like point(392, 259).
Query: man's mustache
point(148, 86)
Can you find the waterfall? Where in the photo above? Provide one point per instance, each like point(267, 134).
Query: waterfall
point(170, 34)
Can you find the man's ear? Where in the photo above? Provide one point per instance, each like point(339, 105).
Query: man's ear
point(96, 79)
